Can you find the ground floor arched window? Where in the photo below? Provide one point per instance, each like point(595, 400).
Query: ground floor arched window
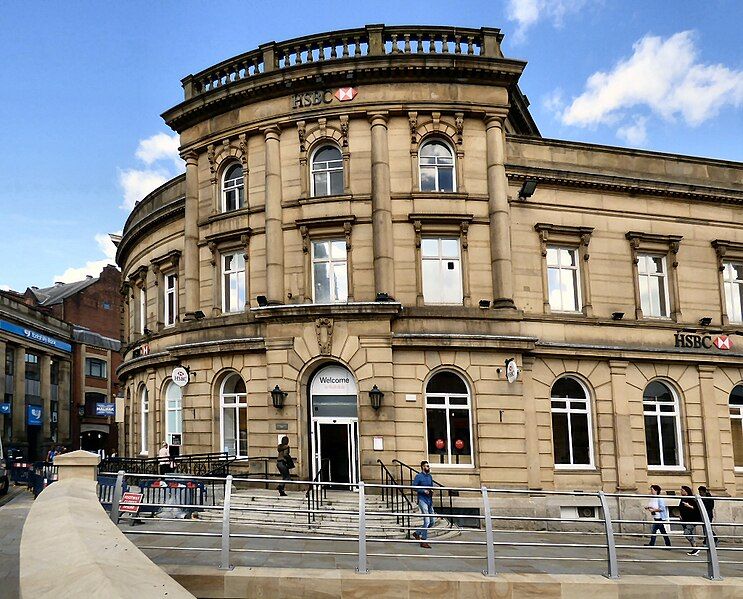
point(571, 424)
point(735, 403)
point(173, 414)
point(662, 426)
point(448, 420)
point(144, 419)
point(233, 402)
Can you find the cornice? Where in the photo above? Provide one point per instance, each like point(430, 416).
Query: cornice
point(165, 214)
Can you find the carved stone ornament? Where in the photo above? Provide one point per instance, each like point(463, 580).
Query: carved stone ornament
point(413, 122)
point(211, 156)
point(459, 122)
point(301, 130)
point(344, 130)
point(324, 331)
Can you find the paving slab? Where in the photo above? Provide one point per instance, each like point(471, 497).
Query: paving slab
point(12, 517)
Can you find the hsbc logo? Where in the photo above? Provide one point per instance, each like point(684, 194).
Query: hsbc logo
point(323, 96)
point(691, 340)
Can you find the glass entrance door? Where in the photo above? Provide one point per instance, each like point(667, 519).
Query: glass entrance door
point(335, 447)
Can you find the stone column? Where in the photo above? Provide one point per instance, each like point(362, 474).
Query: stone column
point(383, 244)
point(18, 408)
point(45, 368)
point(274, 220)
point(63, 402)
point(711, 414)
point(531, 431)
point(2, 385)
point(191, 237)
point(500, 225)
point(623, 446)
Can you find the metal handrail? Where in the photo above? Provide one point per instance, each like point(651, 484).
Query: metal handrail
point(395, 497)
point(439, 488)
point(317, 493)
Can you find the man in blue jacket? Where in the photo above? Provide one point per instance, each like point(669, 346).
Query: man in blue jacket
point(425, 501)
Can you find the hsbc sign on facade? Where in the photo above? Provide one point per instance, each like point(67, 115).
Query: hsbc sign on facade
point(691, 340)
point(324, 96)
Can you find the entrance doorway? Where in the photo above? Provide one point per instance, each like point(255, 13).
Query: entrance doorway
point(334, 425)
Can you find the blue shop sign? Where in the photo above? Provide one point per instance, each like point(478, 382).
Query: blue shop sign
point(34, 415)
point(4, 408)
point(34, 336)
point(105, 409)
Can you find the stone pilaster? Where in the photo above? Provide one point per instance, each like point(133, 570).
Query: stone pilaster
point(45, 368)
point(18, 408)
point(623, 446)
point(2, 386)
point(63, 402)
point(383, 244)
point(191, 237)
point(531, 432)
point(274, 232)
point(500, 225)
point(711, 414)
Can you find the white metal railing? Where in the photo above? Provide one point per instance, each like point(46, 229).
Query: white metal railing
point(609, 533)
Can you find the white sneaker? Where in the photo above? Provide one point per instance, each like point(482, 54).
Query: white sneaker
point(693, 552)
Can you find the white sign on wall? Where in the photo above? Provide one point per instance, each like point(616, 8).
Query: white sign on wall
point(512, 370)
point(180, 376)
point(334, 380)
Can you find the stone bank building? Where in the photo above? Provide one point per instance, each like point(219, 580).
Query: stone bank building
point(371, 227)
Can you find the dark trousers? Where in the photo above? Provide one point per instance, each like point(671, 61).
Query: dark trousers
point(659, 527)
point(281, 465)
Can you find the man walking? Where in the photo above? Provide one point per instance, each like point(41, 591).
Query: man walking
point(425, 502)
point(657, 507)
point(690, 517)
point(709, 505)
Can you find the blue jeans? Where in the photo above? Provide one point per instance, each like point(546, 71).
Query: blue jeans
point(659, 527)
point(426, 508)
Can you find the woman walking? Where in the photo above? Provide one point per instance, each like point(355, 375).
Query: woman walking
point(284, 463)
point(709, 506)
point(690, 517)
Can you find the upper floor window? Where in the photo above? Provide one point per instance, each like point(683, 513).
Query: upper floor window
point(232, 188)
point(142, 310)
point(448, 420)
point(233, 282)
point(436, 165)
point(329, 271)
point(95, 368)
point(732, 275)
point(653, 281)
point(442, 270)
point(563, 278)
point(662, 426)
point(33, 372)
point(571, 424)
point(327, 172)
point(171, 299)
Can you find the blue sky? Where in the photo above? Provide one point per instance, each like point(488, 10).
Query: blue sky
point(84, 84)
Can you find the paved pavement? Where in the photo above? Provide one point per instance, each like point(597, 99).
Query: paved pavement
point(15, 507)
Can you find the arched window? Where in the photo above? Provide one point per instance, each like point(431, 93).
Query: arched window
point(144, 406)
point(232, 188)
point(448, 420)
point(233, 401)
point(173, 414)
point(327, 171)
point(436, 165)
point(662, 426)
point(572, 438)
point(735, 402)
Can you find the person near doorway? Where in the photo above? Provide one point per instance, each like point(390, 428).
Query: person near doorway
point(690, 517)
point(284, 462)
point(657, 507)
point(425, 502)
point(709, 506)
point(163, 458)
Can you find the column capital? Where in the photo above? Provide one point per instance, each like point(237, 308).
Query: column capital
point(618, 366)
point(271, 132)
point(378, 118)
point(706, 370)
point(191, 158)
point(495, 118)
point(527, 362)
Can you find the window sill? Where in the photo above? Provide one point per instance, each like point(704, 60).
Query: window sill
point(576, 469)
point(668, 470)
point(453, 467)
point(224, 215)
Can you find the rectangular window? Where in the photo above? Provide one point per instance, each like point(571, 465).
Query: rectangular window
point(171, 299)
point(142, 310)
point(329, 271)
point(32, 367)
point(233, 282)
point(653, 281)
point(442, 270)
point(9, 361)
point(563, 277)
point(732, 275)
point(95, 368)
point(54, 373)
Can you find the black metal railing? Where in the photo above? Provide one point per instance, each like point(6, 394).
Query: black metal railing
point(395, 498)
point(407, 475)
point(317, 494)
point(198, 464)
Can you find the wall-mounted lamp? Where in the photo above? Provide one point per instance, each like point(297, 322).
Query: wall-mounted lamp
point(199, 315)
point(527, 189)
point(375, 395)
point(484, 304)
point(262, 300)
point(383, 297)
point(277, 397)
point(706, 321)
point(617, 315)
point(147, 331)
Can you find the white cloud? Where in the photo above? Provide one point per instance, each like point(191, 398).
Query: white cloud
point(526, 13)
point(160, 153)
point(92, 267)
point(160, 146)
point(6, 288)
point(635, 133)
point(554, 101)
point(664, 77)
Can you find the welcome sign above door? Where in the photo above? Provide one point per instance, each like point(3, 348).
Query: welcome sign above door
point(333, 380)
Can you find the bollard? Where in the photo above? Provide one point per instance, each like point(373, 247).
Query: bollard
point(116, 497)
point(225, 561)
point(361, 568)
point(489, 538)
point(611, 549)
point(713, 563)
